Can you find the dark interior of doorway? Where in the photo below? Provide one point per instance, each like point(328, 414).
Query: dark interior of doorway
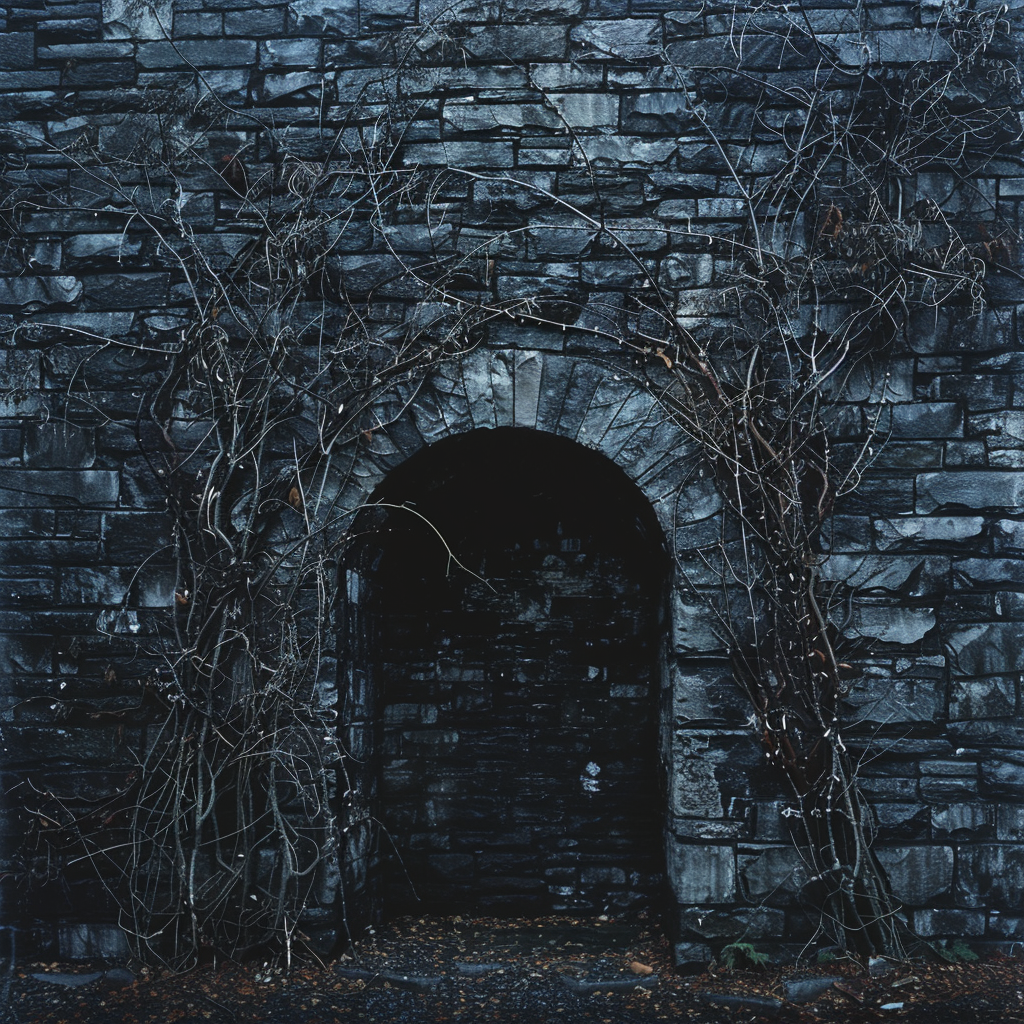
point(515, 610)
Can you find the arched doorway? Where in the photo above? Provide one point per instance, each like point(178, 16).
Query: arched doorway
point(511, 590)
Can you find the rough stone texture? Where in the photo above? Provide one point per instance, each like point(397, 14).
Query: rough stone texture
point(542, 100)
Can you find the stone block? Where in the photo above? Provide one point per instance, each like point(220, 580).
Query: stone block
point(989, 648)
point(587, 109)
point(202, 53)
point(252, 21)
point(490, 155)
point(289, 53)
point(626, 38)
point(995, 874)
point(963, 820)
point(970, 573)
point(1010, 822)
point(772, 877)
point(59, 445)
point(32, 294)
point(977, 490)
point(518, 44)
point(528, 368)
point(891, 624)
point(40, 488)
point(658, 112)
point(1004, 776)
point(744, 924)
point(467, 115)
point(210, 23)
point(935, 923)
point(700, 874)
point(900, 822)
point(890, 533)
point(691, 957)
point(126, 19)
point(922, 420)
point(972, 699)
point(693, 626)
point(918, 874)
point(89, 941)
point(884, 700)
point(694, 791)
point(17, 51)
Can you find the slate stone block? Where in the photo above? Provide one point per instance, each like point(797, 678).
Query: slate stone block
point(961, 820)
point(945, 922)
point(91, 75)
point(891, 624)
point(938, 530)
point(995, 874)
point(254, 21)
point(40, 488)
point(301, 52)
point(17, 51)
point(89, 941)
point(212, 23)
point(59, 445)
point(979, 489)
point(772, 876)
point(701, 874)
point(626, 38)
point(518, 44)
point(31, 294)
point(990, 648)
point(1003, 776)
point(917, 873)
point(203, 53)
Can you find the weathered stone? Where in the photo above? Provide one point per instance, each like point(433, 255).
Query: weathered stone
point(948, 923)
point(995, 874)
point(1004, 777)
point(67, 980)
point(701, 874)
point(884, 699)
point(773, 876)
point(516, 44)
point(960, 819)
point(691, 956)
point(991, 648)
point(32, 294)
point(917, 873)
point(86, 941)
point(294, 53)
point(712, 924)
point(59, 445)
point(629, 38)
point(17, 51)
point(932, 529)
point(42, 488)
point(892, 625)
point(981, 489)
point(806, 990)
point(205, 53)
point(988, 698)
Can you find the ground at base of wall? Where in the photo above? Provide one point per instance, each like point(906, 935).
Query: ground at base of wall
point(522, 972)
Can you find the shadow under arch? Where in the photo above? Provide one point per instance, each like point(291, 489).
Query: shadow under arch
point(503, 661)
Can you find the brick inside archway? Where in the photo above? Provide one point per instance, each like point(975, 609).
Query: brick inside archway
point(516, 738)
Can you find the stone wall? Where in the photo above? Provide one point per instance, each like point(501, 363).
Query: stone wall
point(545, 105)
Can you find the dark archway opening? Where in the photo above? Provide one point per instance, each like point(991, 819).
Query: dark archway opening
point(513, 738)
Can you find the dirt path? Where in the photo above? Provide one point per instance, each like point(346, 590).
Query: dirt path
point(526, 972)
